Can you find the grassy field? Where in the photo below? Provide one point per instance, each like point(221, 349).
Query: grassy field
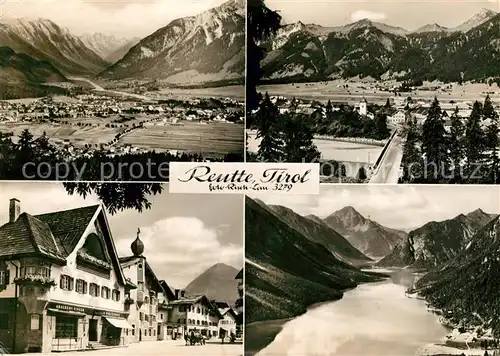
point(79, 136)
point(235, 92)
point(212, 140)
point(333, 90)
point(334, 150)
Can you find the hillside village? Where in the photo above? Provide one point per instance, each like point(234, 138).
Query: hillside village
point(63, 287)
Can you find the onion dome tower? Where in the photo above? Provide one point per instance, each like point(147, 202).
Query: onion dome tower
point(137, 246)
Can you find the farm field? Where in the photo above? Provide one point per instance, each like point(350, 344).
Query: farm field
point(77, 135)
point(212, 140)
point(333, 90)
point(340, 151)
point(235, 92)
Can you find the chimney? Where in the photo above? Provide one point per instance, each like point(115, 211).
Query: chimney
point(14, 209)
point(176, 294)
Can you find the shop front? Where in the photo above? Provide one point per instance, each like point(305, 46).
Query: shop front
point(71, 327)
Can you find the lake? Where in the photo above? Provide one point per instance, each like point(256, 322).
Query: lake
point(374, 319)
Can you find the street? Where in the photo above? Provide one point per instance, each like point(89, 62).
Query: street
point(166, 348)
point(388, 171)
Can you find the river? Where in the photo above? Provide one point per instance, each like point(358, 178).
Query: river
point(374, 319)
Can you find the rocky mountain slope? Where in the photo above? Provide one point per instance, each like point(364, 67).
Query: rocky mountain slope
point(371, 49)
point(19, 67)
point(44, 40)
point(217, 283)
point(108, 47)
point(319, 232)
point(285, 271)
point(368, 236)
point(436, 243)
point(204, 48)
point(467, 288)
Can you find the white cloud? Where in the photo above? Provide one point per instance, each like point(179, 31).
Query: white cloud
point(181, 248)
point(366, 14)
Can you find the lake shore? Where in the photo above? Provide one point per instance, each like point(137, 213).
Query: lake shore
point(261, 333)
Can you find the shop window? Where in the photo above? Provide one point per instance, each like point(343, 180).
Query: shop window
point(35, 322)
point(4, 321)
point(66, 327)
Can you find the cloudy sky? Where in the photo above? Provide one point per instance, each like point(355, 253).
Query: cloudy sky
point(183, 234)
point(409, 14)
point(124, 18)
point(398, 206)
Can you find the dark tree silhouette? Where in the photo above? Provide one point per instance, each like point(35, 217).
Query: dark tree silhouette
point(434, 143)
point(474, 138)
point(262, 23)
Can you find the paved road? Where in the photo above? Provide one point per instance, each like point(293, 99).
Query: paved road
point(388, 171)
point(97, 87)
point(162, 348)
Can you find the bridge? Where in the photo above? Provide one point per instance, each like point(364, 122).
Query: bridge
point(387, 167)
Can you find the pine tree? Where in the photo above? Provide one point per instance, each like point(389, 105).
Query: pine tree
point(455, 141)
point(262, 23)
point(269, 128)
point(493, 161)
point(434, 144)
point(488, 109)
point(412, 162)
point(382, 129)
point(298, 139)
point(474, 139)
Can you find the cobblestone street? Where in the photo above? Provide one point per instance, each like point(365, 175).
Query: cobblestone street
point(164, 348)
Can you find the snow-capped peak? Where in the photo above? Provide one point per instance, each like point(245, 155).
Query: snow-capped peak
point(476, 20)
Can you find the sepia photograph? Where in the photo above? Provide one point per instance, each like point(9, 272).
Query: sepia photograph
point(403, 270)
point(88, 82)
point(161, 277)
point(377, 91)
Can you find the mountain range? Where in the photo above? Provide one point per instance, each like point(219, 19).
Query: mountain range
point(436, 242)
point(217, 283)
point(371, 49)
point(286, 271)
point(467, 288)
point(368, 236)
point(108, 47)
point(44, 40)
point(206, 47)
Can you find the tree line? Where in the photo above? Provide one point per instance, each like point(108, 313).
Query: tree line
point(467, 153)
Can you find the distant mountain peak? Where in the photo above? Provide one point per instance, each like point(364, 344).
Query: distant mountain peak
point(434, 27)
point(476, 20)
point(218, 282)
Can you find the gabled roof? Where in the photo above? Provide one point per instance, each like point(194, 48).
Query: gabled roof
point(126, 261)
point(54, 235)
point(68, 226)
point(224, 311)
point(29, 236)
point(168, 291)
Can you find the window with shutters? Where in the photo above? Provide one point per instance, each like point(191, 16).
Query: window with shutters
point(66, 282)
point(94, 290)
point(105, 292)
point(81, 286)
point(116, 295)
